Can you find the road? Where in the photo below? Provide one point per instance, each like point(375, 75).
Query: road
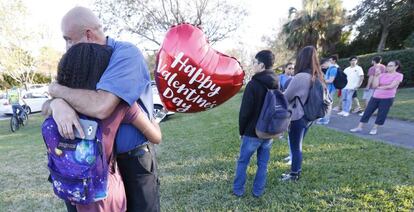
point(3, 117)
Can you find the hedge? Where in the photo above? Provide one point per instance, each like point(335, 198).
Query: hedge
point(406, 57)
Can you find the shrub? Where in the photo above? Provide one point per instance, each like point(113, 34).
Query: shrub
point(406, 57)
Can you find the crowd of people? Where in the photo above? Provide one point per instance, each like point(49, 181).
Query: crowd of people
point(108, 80)
point(295, 82)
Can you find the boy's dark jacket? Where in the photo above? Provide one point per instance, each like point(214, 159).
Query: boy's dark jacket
point(253, 99)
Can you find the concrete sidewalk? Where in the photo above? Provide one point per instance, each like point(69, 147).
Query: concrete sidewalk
point(394, 132)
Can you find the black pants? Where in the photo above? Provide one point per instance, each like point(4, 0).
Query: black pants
point(383, 106)
point(139, 173)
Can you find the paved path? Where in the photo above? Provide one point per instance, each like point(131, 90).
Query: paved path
point(3, 117)
point(395, 132)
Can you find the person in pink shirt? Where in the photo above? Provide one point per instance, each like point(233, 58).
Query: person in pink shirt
point(385, 85)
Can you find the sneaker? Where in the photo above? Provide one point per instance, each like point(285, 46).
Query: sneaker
point(357, 129)
point(361, 113)
point(257, 195)
point(286, 158)
point(373, 131)
point(346, 114)
point(237, 194)
point(341, 113)
point(322, 121)
point(356, 110)
point(289, 162)
point(289, 177)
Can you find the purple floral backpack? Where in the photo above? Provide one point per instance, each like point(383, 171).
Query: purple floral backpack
point(78, 168)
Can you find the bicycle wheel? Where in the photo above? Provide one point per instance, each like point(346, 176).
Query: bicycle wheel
point(24, 119)
point(14, 124)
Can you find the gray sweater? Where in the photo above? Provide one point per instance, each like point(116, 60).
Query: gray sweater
point(299, 86)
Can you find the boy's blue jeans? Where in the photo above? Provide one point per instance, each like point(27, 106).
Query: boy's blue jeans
point(347, 99)
point(248, 147)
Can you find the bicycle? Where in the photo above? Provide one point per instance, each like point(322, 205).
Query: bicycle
point(16, 120)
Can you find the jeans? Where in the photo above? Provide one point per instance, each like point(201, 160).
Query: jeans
point(249, 146)
point(140, 177)
point(17, 107)
point(327, 117)
point(347, 99)
point(383, 106)
point(297, 132)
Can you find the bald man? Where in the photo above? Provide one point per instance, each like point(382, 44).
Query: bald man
point(125, 79)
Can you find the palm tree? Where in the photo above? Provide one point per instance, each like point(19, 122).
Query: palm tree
point(319, 24)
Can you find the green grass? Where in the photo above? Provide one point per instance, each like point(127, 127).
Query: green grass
point(403, 104)
point(23, 171)
point(197, 160)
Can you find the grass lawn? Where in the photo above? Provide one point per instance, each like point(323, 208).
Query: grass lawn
point(197, 161)
point(403, 104)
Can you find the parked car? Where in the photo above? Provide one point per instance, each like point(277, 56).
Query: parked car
point(34, 103)
point(39, 89)
point(157, 100)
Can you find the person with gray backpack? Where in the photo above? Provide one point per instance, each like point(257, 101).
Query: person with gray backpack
point(309, 100)
point(254, 96)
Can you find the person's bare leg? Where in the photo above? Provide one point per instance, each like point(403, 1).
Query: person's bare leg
point(357, 105)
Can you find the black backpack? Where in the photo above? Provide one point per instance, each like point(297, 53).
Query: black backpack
point(340, 80)
point(274, 116)
point(318, 102)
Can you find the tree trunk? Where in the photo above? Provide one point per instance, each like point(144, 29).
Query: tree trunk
point(384, 35)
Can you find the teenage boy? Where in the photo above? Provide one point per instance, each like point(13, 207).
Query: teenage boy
point(355, 76)
point(252, 102)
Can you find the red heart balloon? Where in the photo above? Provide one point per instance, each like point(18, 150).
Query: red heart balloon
point(190, 75)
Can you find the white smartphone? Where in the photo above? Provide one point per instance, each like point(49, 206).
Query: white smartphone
point(89, 128)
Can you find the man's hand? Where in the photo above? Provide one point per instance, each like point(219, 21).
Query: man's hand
point(65, 118)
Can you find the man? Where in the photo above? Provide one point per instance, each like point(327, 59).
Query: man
point(333, 61)
point(330, 75)
point(125, 79)
point(288, 72)
point(355, 76)
point(369, 90)
point(15, 98)
point(252, 102)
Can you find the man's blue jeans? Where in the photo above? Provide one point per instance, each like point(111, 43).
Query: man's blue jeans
point(347, 99)
point(17, 106)
point(248, 147)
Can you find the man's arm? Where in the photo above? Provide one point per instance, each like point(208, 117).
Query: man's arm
point(99, 104)
point(369, 84)
point(246, 108)
point(361, 79)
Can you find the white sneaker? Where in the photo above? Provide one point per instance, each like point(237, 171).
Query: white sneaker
point(346, 114)
point(286, 158)
point(341, 113)
point(289, 162)
point(361, 114)
point(373, 131)
point(356, 129)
